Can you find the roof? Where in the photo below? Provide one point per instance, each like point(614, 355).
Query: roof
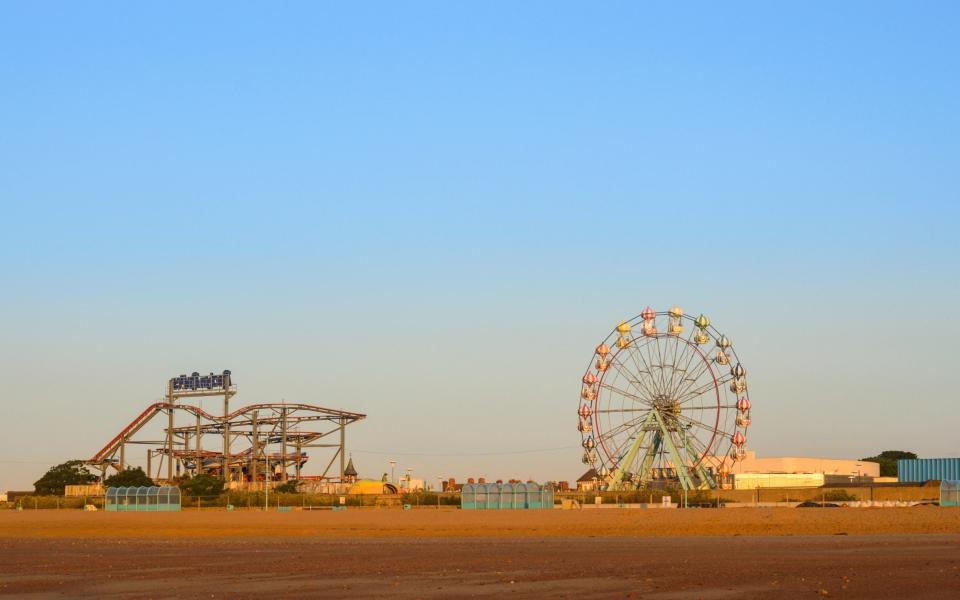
point(350, 471)
point(589, 476)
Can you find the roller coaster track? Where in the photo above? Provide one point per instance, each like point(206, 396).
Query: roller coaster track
point(151, 411)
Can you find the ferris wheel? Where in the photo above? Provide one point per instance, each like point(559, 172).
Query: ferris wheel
point(664, 399)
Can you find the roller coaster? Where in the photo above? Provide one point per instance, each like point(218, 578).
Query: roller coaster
point(243, 438)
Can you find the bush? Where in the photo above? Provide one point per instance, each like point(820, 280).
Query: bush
point(839, 496)
point(46, 502)
point(421, 498)
point(129, 477)
point(289, 487)
point(203, 485)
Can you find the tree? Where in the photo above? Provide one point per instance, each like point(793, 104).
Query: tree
point(289, 487)
point(129, 477)
point(203, 485)
point(888, 461)
point(53, 482)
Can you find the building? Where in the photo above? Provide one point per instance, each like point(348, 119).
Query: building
point(829, 467)
point(371, 487)
point(919, 470)
point(411, 484)
point(780, 471)
point(588, 481)
point(751, 481)
point(450, 485)
point(83, 491)
point(350, 473)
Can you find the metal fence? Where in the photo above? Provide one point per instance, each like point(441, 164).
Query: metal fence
point(506, 496)
point(950, 492)
point(142, 499)
point(919, 470)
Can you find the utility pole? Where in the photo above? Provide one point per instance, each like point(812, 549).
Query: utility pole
point(170, 431)
point(266, 487)
point(283, 444)
point(254, 450)
point(343, 443)
point(226, 433)
point(199, 468)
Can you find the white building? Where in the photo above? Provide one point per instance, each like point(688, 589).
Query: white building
point(843, 467)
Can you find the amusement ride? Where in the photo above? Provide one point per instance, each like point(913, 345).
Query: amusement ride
point(664, 401)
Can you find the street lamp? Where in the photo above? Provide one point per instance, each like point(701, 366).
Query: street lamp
point(439, 489)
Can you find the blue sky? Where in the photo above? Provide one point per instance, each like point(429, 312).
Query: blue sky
point(432, 213)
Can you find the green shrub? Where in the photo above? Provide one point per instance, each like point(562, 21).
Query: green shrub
point(203, 485)
point(289, 487)
point(839, 496)
point(129, 477)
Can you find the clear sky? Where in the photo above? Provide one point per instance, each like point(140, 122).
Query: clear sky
point(431, 214)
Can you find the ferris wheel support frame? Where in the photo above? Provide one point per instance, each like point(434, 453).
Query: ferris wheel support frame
point(616, 478)
point(685, 481)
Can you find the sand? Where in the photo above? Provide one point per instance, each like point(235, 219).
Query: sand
point(448, 522)
point(728, 553)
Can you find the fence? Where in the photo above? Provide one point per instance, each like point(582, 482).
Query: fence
point(505, 496)
point(143, 499)
point(255, 500)
point(766, 496)
point(950, 492)
point(928, 469)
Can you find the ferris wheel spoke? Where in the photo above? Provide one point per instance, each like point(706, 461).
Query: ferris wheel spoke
point(653, 361)
point(717, 436)
point(634, 379)
point(677, 357)
point(710, 407)
point(623, 449)
point(678, 375)
point(697, 386)
point(699, 448)
point(620, 410)
point(633, 351)
point(675, 361)
point(697, 423)
point(639, 348)
point(618, 451)
point(625, 426)
point(699, 391)
point(688, 382)
point(613, 388)
point(668, 361)
point(686, 367)
point(631, 383)
point(663, 362)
